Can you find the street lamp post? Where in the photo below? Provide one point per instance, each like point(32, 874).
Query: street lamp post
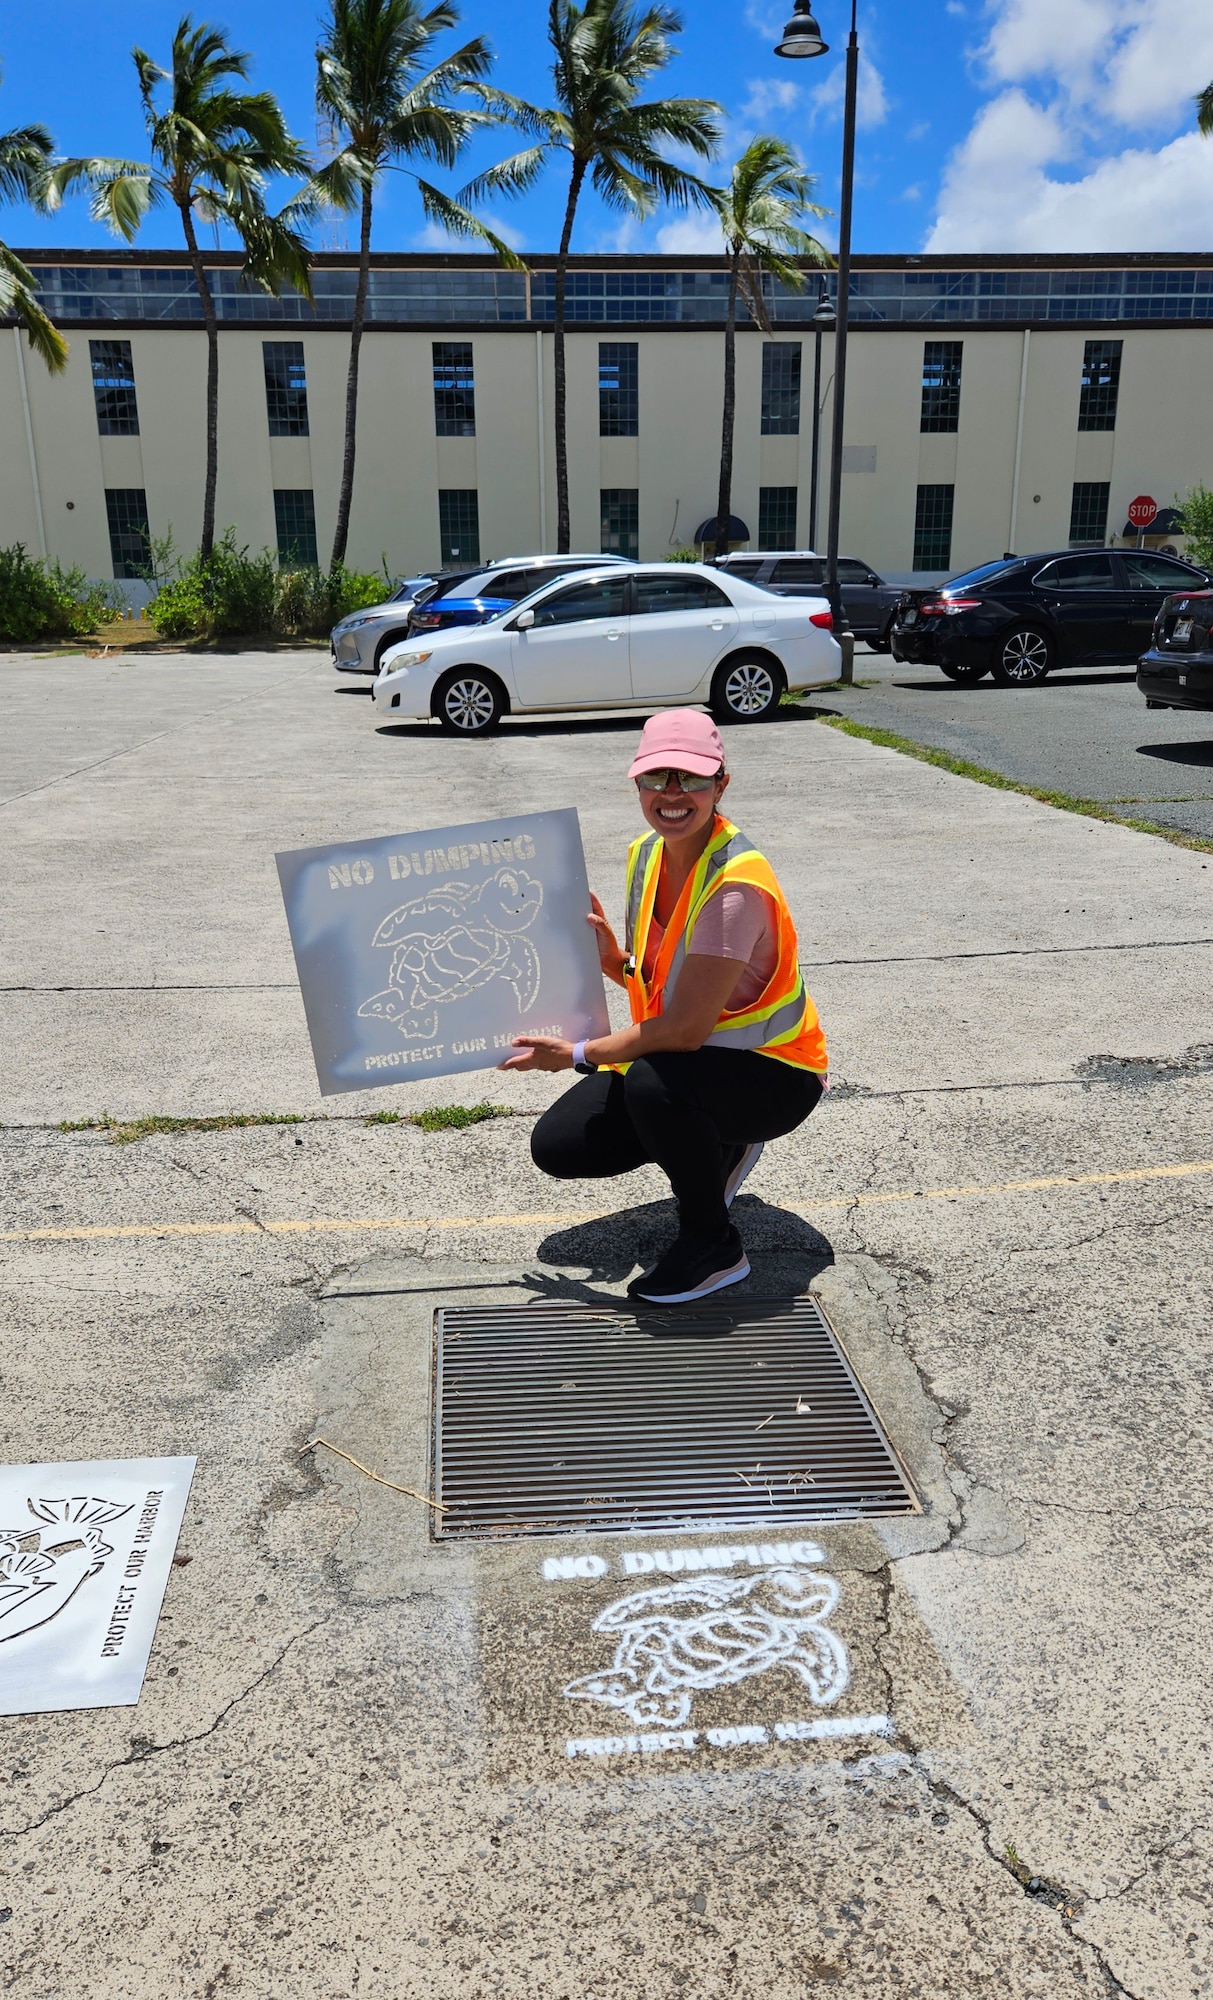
point(823, 322)
point(802, 38)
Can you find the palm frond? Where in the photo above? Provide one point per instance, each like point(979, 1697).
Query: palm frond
point(18, 301)
point(459, 221)
point(1204, 110)
point(25, 155)
point(509, 177)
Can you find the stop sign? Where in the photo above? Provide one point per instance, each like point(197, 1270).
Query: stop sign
point(1142, 510)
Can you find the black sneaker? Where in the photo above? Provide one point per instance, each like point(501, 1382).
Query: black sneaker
point(691, 1268)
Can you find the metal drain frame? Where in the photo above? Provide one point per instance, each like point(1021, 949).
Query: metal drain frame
point(714, 1319)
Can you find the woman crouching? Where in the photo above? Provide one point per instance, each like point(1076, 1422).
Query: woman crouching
point(725, 1051)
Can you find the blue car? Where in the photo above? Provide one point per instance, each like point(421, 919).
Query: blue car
point(471, 600)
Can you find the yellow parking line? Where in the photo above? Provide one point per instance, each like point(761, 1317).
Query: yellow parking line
point(353, 1225)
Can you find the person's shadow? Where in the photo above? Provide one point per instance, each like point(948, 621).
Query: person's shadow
point(786, 1255)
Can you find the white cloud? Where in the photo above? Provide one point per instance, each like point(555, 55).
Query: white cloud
point(998, 192)
point(767, 95)
point(911, 193)
point(1060, 156)
point(691, 236)
point(767, 18)
point(871, 102)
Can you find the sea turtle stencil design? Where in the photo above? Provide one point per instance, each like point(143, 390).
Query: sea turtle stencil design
point(452, 941)
point(682, 1638)
point(41, 1569)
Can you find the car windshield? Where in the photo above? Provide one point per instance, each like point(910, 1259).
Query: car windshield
point(415, 587)
point(971, 576)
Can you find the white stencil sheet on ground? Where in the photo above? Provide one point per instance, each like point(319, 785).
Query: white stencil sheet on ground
point(85, 1553)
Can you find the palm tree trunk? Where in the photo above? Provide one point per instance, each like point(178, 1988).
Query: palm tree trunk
point(207, 542)
point(342, 531)
point(724, 500)
point(558, 374)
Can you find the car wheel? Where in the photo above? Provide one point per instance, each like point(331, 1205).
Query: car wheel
point(963, 674)
point(747, 688)
point(468, 702)
point(388, 639)
point(1022, 658)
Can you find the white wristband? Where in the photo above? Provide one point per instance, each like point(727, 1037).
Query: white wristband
point(578, 1054)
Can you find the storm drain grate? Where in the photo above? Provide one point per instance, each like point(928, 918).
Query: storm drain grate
point(555, 1416)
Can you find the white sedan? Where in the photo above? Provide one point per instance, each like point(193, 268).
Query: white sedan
point(656, 635)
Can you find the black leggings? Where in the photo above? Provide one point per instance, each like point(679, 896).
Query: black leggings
point(678, 1110)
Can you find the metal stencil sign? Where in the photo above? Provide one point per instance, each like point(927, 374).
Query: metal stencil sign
point(85, 1552)
point(426, 953)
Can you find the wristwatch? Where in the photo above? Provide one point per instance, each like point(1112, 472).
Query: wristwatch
point(581, 1063)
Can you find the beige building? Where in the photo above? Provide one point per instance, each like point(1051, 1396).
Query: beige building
point(993, 404)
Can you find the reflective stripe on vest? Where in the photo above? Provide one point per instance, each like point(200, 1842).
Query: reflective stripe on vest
point(783, 1021)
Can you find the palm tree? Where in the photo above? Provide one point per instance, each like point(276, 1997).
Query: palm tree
point(759, 215)
point(1204, 110)
point(605, 52)
point(213, 149)
point(374, 83)
point(25, 156)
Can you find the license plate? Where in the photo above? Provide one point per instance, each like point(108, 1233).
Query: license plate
point(1183, 631)
point(1183, 680)
point(911, 618)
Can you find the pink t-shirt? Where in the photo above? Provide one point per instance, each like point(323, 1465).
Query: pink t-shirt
point(737, 922)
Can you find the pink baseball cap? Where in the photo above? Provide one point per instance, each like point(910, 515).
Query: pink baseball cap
point(679, 739)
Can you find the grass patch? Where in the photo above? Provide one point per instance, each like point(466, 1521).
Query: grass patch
point(943, 760)
point(383, 1118)
point(456, 1117)
point(124, 1131)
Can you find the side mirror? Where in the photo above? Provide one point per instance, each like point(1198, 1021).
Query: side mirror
point(524, 621)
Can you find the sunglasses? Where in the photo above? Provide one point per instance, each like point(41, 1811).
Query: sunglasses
point(688, 781)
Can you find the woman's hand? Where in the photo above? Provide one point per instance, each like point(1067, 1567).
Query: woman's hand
point(540, 1052)
point(610, 956)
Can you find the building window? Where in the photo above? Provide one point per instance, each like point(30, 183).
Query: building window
point(933, 527)
point(454, 389)
point(130, 546)
point(459, 524)
point(777, 517)
point(780, 394)
point(620, 521)
point(285, 388)
point(941, 385)
point(1100, 385)
point(1089, 513)
point(618, 389)
point(114, 389)
point(295, 522)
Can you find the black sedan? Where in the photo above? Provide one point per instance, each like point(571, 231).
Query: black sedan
point(1177, 672)
point(1019, 618)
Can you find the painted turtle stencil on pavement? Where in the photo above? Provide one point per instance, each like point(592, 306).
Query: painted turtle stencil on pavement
point(85, 1553)
point(424, 954)
point(711, 1632)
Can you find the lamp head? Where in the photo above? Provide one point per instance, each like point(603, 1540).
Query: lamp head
point(825, 318)
point(801, 36)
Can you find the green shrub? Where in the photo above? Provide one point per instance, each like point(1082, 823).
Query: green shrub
point(235, 592)
point(1197, 510)
point(682, 555)
point(42, 600)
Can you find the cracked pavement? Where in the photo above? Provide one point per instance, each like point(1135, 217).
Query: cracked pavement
point(347, 1773)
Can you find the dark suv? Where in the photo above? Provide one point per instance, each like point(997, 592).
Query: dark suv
point(1177, 672)
point(1018, 618)
point(868, 600)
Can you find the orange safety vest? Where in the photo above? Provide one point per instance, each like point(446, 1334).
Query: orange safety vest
point(783, 1021)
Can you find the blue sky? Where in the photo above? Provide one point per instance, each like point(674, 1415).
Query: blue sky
point(984, 124)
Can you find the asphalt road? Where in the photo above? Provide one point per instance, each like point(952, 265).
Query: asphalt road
point(348, 1771)
point(1087, 734)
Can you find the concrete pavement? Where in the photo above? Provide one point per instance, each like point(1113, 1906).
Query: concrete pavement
point(348, 1772)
